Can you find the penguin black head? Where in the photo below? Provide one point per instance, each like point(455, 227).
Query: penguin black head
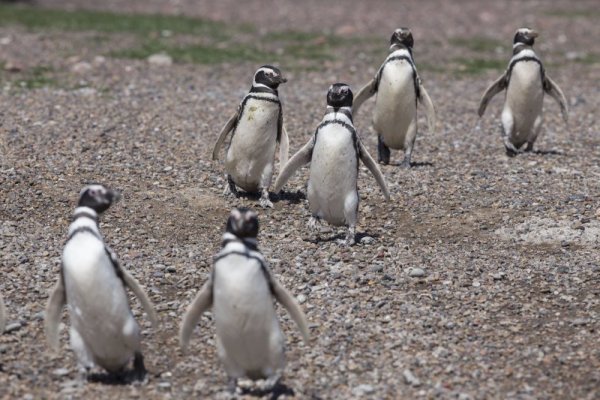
point(339, 95)
point(526, 36)
point(402, 36)
point(270, 76)
point(97, 197)
point(243, 223)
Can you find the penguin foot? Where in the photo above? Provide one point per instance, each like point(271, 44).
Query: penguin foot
point(383, 152)
point(528, 148)
point(350, 237)
point(405, 163)
point(314, 223)
point(232, 385)
point(510, 148)
point(139, 369)
point(230, 189)
point(264, 200)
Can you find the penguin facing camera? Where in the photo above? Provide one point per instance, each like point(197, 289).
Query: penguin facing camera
point(525, 81)
point(398, 89)
point(256, 128)
point(92, 284)
point(240, 291)
point(334, 152)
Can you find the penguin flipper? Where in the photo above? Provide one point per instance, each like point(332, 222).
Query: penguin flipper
point(302, 157)
point(223, 134)
point(429, 109)
point(554, 91)
point(372, 166)
point(54, 308)
point(2, 315)
point(286, 299)
point(495, 88)
point(201, 303)
point(284, 147)
point(135, 287)
point(363, 95)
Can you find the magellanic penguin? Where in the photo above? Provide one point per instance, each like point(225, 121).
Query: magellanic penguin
point(525, 81)
point(398, 89)
point(92, 284)
point(256, 127)
point(334, 151)
point(2, 315)
point(241, 290)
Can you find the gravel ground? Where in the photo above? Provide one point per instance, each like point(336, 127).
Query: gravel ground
point(479, 279)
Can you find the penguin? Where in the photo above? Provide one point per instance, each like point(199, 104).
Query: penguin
point(525, 81)
point(398, 89)
point(2, 315)
point(240, 291)
point(334, 151)
point(92, 284)
point(255, 129)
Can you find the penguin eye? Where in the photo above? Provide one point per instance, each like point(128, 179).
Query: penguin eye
point(92, 192)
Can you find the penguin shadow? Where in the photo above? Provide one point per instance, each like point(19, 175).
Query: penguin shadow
point(291, 197)
point(414, 164)
point(548, 153)
point(340, 236)
point(116, 379)
point(280, 389)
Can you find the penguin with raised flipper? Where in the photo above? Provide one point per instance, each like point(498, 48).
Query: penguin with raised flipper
point(398, 89)
point(256, 128)
point(334, 152)
point(92, 284)
point(525, 81)
point(240, 291)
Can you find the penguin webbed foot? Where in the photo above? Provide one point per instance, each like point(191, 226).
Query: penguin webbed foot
point(405, 163)
point(383, 152)
point(510, 148)
point(139, 372)
point(264, 199)
point(230, 188)
point(350, 239)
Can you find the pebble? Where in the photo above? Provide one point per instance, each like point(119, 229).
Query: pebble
point(164, 385)
point(301, 298)
point(410, 379)
point(81, 67)
point(160, 60)
point(367, 240)
point(15, 326)
point(60, 372)
point(416, 272)
point(363, 389)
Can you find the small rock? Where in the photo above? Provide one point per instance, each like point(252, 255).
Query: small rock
point(464, 396)
point(81, 67)
point(5, 40)
point(15, 326)
point(200, 386)
point(301, 298)
point(60, 372)
point(367, 240)
point(164, 385)
point(160, 60)
point(416, 272)
point(171, 269)
point(410, 379)
point(363, 389)
point(12, 66)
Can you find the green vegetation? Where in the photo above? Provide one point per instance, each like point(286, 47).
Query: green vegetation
point(479, 44)
point(37, 77)
point(61, 20)
point(595, 13)
point(474, 66)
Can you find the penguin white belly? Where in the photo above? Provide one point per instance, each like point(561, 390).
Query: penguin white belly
point(251, 153)
point(251, 342)
point(98, 305)
point(333, 175)
point(524, 99)
point(395, 106)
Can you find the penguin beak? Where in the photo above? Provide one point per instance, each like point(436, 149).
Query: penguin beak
point(533, 34)
point(281, 79)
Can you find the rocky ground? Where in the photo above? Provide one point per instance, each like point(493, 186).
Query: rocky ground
point(479, 279)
